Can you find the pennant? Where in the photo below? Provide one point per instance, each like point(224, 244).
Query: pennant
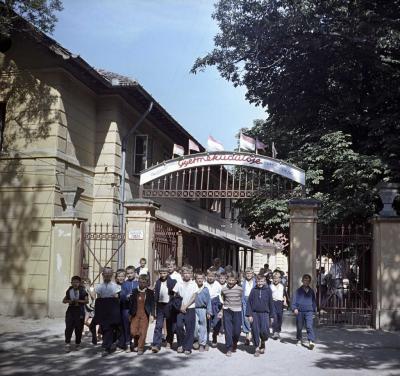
point(247, 143)
point(214, 145)
point(260, 145)
point(274, 152)
point(193, 146)
point(178, 150)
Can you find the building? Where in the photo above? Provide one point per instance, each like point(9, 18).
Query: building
point(62, 127)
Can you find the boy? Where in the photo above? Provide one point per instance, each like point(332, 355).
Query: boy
point(304, 306)
point(126, 291)
point(120, 276)
point(214, 289)
point(260, 308)
point(163, 292)
point(76, 297)
point(231, 312)
point(141, 308)
point(142, 269)
point(107, 309)
point(221, 278)
point(248, 284)
point(203, 312)
point(278, 294)
point(185, 320)
point(171, 266)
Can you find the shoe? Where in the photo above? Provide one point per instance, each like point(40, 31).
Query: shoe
point(247, 342)
point(206, 347)
point(234, 347)
point(257, 353)
point(77, 347)
point(201, 348)
point(67, 348)
point(119, 350)
point(105, 353)
point(275, 335)
point(229, 353)
point(135, 349)
point(262, 347)
point(311, 345)
point(128, 349)
point(187, 352)
point(155, 349)
point(168, 345)
point(179, 350)
point(196, 345)
point(140, 352)
point(298, 342)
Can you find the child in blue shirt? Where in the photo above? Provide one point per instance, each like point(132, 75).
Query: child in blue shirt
point(304, 306)
point(259, 309)
point(203, 312)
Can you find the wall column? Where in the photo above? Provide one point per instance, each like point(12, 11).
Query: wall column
point(303, 241)
point(65, 260)
point(140, 229)
point(179, 249)
point(386, 272)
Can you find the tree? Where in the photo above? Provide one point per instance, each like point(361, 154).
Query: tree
point(317, 66)
point(327, 72)
point(40, 13)
point(342, 179)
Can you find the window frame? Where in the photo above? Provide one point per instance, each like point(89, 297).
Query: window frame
point(135, 155)
point(3, 109)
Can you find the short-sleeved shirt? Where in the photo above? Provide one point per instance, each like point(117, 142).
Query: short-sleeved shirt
point(107, 290)
point(214, 289)
point(164, 296)
point(186, 291)
point(175, 275)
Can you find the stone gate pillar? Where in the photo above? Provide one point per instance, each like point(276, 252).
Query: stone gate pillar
point(303, 241)
point(140, 229)
point(65, 260)
point(386, 263)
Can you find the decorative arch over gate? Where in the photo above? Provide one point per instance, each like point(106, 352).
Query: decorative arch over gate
point(221, 175)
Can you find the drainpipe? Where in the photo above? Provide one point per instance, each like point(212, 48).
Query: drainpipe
point(121, 254)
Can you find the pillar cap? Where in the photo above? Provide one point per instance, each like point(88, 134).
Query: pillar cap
point(142, 203)
point(67, 220)
point(304, 202)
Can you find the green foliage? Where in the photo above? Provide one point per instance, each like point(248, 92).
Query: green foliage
point(40, 13)
point(327, 72)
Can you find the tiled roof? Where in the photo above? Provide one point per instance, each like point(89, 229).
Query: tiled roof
point(116, 79)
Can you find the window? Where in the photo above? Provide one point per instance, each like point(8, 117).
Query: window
point(2, 123)
point(142, 153)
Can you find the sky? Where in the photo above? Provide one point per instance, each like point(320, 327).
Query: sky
point(156, 43)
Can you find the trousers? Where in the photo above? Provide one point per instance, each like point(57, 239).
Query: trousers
point(232, 326)
point(306, 318)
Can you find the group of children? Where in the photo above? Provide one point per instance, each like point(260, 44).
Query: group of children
point(192, 306)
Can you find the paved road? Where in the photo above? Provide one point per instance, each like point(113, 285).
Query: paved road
point(35, 347)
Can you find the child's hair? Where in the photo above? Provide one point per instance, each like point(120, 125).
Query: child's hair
point(278, 274)
point(219, 274)
point(262, 271)
point(170, 261)
point(231, 275)
point(119, 271)
point(129, 267)
point(76, 278)
point(162, 269)
point(143, 259)
point(199, 273)
point(249, 270)
point(144, 278)
point(228, 268)
point(187, 269)
point(211, 269)
point(86, 280)
point(260, 277)
point(211, 272)
point(107, 269)
point(306, 276)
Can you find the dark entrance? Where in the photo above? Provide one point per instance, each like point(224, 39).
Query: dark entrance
point(344, 269)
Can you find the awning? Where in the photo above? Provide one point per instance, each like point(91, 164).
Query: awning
point(208, 234)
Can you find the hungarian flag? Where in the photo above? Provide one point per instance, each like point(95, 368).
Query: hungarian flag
point(193, 146)
point(247, 143)
point(178, 150)
point(260, 145)
point(214, 145)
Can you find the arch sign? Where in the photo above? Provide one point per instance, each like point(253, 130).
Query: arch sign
point(223, 158)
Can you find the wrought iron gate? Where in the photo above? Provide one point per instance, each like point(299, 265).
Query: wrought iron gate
point(100, 247)
point(344, 266)
point(165, 243)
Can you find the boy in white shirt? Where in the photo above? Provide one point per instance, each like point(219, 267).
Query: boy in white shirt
point(186, 319)
point(173, 274)
point(248, 283)
point(278, 291)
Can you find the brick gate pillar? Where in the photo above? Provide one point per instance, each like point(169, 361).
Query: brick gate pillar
point(303, 241)
point(386, 272)
point(140, 229)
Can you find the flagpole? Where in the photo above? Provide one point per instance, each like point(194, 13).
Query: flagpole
point(256, 146)
point(240, 136)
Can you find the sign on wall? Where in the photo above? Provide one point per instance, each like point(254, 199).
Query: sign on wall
point(135, 235)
